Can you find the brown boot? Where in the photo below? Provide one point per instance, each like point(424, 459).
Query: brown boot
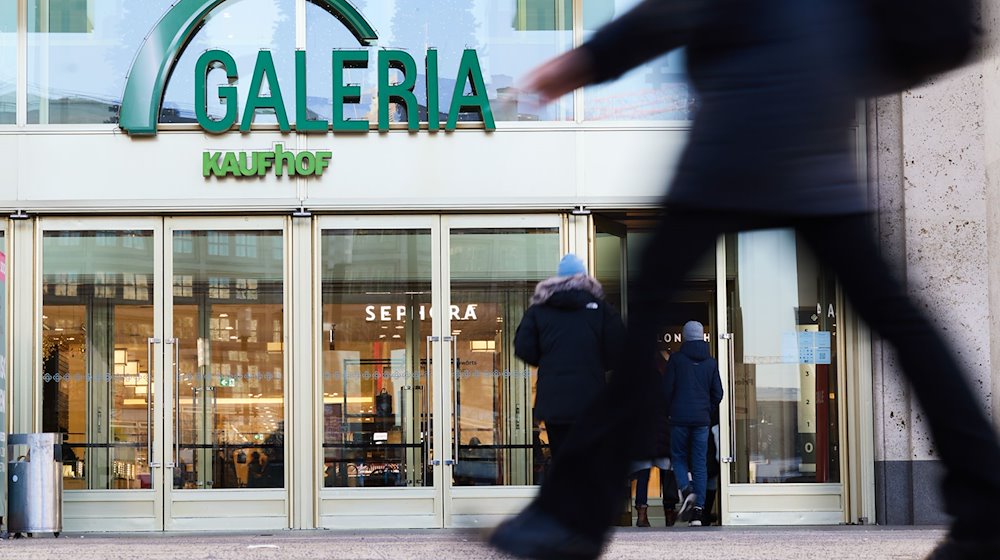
point(641, 519)
point(671, 515)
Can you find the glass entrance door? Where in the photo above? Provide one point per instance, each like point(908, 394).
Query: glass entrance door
point(379, 357)
point(426, 411)
point(781, 428)
point(99, 319)
point(496, 452)
point(225, 380)
point(162, 346)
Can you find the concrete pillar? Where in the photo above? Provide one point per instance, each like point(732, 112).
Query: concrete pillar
point(936, 199)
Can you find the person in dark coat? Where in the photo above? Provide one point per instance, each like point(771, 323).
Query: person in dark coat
point(694, 388)
point(574, 338)
point(777, 83)
point(655, 452)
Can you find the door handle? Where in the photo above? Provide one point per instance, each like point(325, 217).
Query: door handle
point(150, 342)
point(731, 351)
point(454, 391)
point(426, 384)
point(177, 400)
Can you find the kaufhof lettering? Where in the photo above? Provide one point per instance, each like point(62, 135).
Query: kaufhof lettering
point(257, 164)
point(397, 77)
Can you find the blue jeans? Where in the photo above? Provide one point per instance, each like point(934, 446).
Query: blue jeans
point(688, 449)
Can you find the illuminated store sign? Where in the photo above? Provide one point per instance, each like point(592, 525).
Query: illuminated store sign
point(398, 312)
point(397, 75)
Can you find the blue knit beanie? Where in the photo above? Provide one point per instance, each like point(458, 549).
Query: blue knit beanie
point(570, 265)
point(693, 330)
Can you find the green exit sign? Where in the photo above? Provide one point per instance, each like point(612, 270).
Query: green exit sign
point(227, 382)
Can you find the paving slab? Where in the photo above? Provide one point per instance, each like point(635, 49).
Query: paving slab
point(757, 543)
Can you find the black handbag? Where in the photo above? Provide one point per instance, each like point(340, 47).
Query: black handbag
point(383, 404)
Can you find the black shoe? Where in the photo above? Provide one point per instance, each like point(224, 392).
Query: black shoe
point(536, 534)
point(687, 504)
point(952, 549)
point(696, 514)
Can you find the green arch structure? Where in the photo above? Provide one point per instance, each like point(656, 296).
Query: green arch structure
point(147, 79)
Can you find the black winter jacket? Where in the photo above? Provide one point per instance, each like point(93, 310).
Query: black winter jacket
point(574, 338)
point(693, 385)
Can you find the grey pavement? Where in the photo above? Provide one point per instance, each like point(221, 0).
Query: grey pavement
point(763, 543)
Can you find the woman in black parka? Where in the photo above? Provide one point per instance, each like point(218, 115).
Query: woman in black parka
point(574, 338)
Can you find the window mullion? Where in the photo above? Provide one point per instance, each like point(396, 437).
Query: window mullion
point(21, 88)
point(577, 41)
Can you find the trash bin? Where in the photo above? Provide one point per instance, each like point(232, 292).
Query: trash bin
point(34, 483)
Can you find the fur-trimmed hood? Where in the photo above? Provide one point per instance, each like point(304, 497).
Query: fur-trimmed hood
point(561, 285)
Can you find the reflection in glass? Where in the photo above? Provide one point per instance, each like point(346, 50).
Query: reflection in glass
point(376, 389)
point(228, 321)
point(8, 62)
point(656, 90)
point(493, 274)
point(511, 38)
point(242, 28)
point(782, 308)
point(97, 316)
point(79, 52)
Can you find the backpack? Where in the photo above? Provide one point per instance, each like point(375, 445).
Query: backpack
point(913, 40)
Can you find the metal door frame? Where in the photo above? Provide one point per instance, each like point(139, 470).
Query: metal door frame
point(96, 510)
point(211, 509)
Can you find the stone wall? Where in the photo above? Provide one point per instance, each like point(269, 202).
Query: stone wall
point(934, 165)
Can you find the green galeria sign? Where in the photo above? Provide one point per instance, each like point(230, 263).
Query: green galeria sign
point(469, 72)
point(158, 55)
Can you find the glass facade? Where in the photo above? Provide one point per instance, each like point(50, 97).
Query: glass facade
point(657, 90)
point(510, 38)
point(376, 386)
point(8, 62)
point(496, 440)
point(215, 298)
point(784, 388)
point(79, 52)
point(228, 327)
point(235, 27)
point(97, 318)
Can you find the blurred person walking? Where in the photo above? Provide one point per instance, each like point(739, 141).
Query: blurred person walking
point(777, 84)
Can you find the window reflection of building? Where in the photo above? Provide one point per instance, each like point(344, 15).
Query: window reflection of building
point(228, 317)
point(96, 317)
point(787, 424)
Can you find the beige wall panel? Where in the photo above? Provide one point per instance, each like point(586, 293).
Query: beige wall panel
point(550, 168)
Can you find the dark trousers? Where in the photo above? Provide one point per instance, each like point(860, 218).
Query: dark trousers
point(595, 457)
point(668, 487)
point(688, 449)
